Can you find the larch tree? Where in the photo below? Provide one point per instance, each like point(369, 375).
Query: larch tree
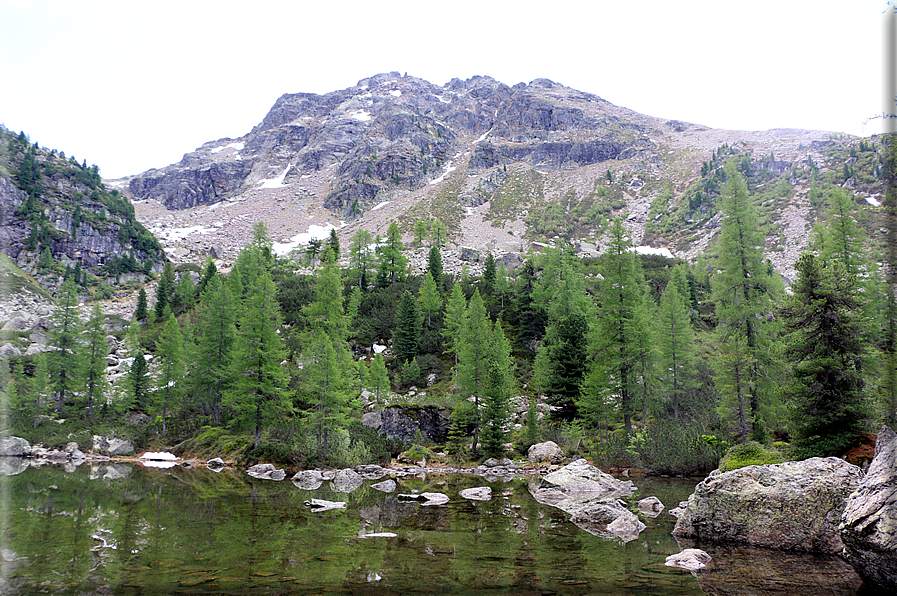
point(96, 350)
point(429, 300)
point(676, 347)
point(392, 260)
point(453, 322)
point(475, 352)
point(215, 332)
point(743, 291)
point(66, 357)
point(361, 257)
point(170, 355)
point(258, 393)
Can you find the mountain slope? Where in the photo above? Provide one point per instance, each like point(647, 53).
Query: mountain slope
point(501, 166)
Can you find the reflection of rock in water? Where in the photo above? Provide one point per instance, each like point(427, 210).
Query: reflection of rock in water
point(392, 513)
point(743, 570)
point(10, 466)
point(110, 471)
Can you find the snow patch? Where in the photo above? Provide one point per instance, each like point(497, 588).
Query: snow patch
point(873, 202)
point(378, 205)
point(320, 232)
point(448, 170)
point(276, 182)
point(649, 250)
point(395, 93)
point(483, 138)
point(361, 116)
point(444, 100)
point(157, 464)
point(159, 455)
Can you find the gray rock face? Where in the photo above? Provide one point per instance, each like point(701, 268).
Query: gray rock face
point(403, 422)
point(184, 186)
point(545, 452)
point(112, 446)
point(14, 447)
point(869, 522)
point(788, 506)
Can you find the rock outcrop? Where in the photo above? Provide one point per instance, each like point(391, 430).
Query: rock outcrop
point(403, 422)
point(790, 506)
point(869, 522)
point(14, 447)
point(112, 446)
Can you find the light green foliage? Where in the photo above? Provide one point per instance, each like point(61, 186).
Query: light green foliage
point(475, 352)
point(749, 454)
point(66, 359)
point(392, 260)
point(378, 379)
point(676, 347)
point(420, 232)
point(429, 299)
point(215, 332)
point(734, 378)
point(170, 355)
point(453, 322)
point(258, 394)
point(96, 350)
point(361, 256)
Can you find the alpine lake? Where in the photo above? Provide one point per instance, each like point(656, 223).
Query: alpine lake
point(126, 529)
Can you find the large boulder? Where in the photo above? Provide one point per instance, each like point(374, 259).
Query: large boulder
point(403, 422)
point(112, 446)
point(789, 506)
point(266, 472)
point(345, 481)
point(869, 522)
point(308, 479)
point(609, 519)
point(545, 452)
point(14, 447)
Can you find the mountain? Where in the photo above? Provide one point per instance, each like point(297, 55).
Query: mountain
point(501, 166)
point(58, 220)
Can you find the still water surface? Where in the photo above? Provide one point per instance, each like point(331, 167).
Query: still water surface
point(133, 530)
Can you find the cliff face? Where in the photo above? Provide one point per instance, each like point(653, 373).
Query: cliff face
point(57, 214)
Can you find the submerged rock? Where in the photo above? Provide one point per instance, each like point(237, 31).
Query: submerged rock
point(318, 505)
point(266, 472)
point(609, 519)
point(790, 506)
point(426, 498)
point(690, 559)
point(869, 522)
point(480, 493)
point(387, 486)
point(650, 506)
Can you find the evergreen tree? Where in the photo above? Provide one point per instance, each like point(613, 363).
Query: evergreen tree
point(455, 309)
point(378, 380)
point(497, 395)
point(676, 342)
point(827, 352)
point(361, 257)
point(475, 352)
point(215, 332)
point(734, 380)
point(406, 336)
point(617, 346)
point(95, 360)
point(140, 313)
point(434, 265)
point(420, 232)
point(138, 382)
point(66, 357)
point(489, 274)
point(333, 244)
point(743, 290)
point(170, 352)
point(164, 291)
point(567, 357)
point(258, 393)
point(184, 294)
point(439, 233)
point(392, 261)
point(429, 299)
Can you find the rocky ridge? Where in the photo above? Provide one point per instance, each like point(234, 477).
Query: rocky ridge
point(483, 157)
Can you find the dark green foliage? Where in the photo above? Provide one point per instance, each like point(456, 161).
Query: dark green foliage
point(434, 265)
point(406, 337)
point(567, 361)
point(827, 352)
point(676, 449)
point(489, 274)
point(140, 313)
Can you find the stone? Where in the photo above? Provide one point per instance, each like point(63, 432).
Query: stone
point(9, 350)
point(403, 422)
point(14, 447)
point(112, 446)
point(869, 523)
point(216, 463)
point(608, 519)
point(345, 481)
point(690, 559)
point(545, 452)
point(787, 506)
point(10, 466)
point(650, 506)
point(266, 472)
point(480, 493)
point(387, 486)
point(371, 471)
point(425, 498)
point(319, 505)
point(308, 479)
point(581, 477)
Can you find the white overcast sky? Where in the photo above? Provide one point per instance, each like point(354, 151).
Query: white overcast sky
point(131, 85)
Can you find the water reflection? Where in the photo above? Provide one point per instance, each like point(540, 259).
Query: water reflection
point(124, 530)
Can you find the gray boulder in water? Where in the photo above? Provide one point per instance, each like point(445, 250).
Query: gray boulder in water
point(14, 447)
point(788, 506)
point(869, 522)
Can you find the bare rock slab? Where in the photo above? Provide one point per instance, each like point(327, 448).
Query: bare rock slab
point(869, 523)
point(789, 506)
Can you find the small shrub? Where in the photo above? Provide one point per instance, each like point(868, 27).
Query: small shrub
point(749, 454)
